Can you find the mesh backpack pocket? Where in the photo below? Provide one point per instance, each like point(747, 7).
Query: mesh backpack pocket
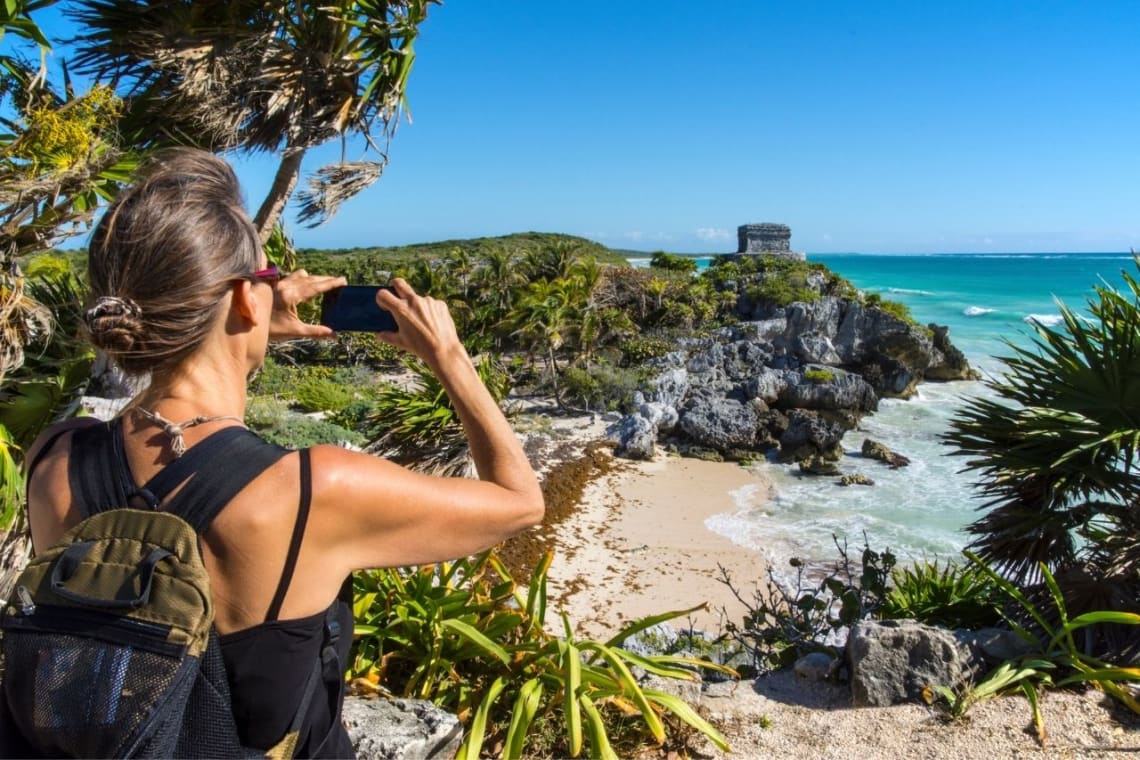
point(103, 637)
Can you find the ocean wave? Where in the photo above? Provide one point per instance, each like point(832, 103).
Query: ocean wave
point(977, 311)
point(910, 292)
point(1047, 320)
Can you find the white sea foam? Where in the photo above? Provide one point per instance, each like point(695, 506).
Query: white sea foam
point(910, 292)
point(977, 311)
point(1048, 320)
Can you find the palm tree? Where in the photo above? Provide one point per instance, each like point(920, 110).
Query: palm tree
point(251, 75)
point(542, 318)
point(1057, 455)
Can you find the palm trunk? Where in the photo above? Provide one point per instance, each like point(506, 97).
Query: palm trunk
point(283, 183)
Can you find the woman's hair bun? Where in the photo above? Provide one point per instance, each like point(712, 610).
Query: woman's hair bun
point(115, 323)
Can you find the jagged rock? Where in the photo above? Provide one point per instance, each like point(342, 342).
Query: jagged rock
point(816, 666)
point(809, 433)
point(997, 644)
point(843, 391)
point(670, 387)
point(401, 729)
point(719, 423)
point(817, 464)
point(635, 436)
point(768, 384)
point(949, 362)
point(743, 360)
point(856, 479)
point(662, 417)
point(815, 348)
point(893, 661)
point(874, 450)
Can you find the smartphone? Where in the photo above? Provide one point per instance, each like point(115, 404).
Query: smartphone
point(353, 308)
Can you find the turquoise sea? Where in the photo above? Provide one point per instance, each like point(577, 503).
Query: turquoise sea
point(918, 511)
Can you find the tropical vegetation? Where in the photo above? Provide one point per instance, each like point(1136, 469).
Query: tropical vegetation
point(1055, 555)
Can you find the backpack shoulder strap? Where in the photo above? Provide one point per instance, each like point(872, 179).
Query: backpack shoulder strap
point(95, 469)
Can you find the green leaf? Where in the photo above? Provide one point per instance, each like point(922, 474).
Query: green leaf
point(475, 637)
point(682, 710)
point(572, 682)
point(648, 622)
point(599, 739)
point(630, 687)
point(526, 705)
point(473, 745)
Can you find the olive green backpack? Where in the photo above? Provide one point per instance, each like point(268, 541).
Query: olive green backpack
point(109, 646)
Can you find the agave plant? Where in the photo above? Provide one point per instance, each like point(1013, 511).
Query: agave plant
point(417, 425)
point(1057, 455)
point(464, 635)
point(1056, 658)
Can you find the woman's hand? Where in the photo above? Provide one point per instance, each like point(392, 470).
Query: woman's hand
point(426, 327)
point(295, 288)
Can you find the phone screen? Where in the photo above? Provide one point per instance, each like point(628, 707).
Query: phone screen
point(353, 308)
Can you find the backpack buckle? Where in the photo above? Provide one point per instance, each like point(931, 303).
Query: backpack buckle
point(27, 604)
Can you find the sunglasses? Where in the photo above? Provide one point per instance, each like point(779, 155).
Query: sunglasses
point(271, 274)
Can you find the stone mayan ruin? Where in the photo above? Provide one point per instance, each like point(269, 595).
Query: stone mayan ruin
point(766, 238)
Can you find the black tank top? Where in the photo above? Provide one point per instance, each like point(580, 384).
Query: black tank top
point(268, 664)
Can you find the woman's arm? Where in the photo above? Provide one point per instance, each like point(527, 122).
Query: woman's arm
point(380, 514)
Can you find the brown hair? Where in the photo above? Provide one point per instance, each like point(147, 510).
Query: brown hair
point(163, 256)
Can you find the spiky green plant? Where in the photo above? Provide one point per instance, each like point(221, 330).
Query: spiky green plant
point(467, 637)
point(416, 424)
point(1056, 452)
point(951, 595)
point(1056, 659)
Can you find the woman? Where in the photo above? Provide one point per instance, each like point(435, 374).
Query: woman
point(181, 292)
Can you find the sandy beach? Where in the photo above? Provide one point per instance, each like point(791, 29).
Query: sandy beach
point(638, 546)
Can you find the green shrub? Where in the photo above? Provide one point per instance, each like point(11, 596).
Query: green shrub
point(637, 351)
point(296, 431)
point(275, 379)
point(954, 596)
point(783, 623)
point(466, 637)
point(601, 387)
point(317, 394)
point(819, 375)
point(356, 415)
point(894, 308)
point(673, 262)
point(418, 426)
point(1057, 657)
point(782, 291)
point(264, 412)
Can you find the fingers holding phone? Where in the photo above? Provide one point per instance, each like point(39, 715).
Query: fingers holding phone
point(425, 325)
point(293, 289)
point(355, 308)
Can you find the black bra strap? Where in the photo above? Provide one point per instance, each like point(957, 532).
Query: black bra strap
point(295, 541)
point(241, 458)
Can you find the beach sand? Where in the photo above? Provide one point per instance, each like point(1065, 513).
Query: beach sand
point(638, 546)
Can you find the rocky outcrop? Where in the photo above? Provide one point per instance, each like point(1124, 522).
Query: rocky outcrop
point(874, 450)
point(792, 378)
point(401, 729)
point(895, 661)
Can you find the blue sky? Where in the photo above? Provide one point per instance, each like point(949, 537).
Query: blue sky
point(874, 127)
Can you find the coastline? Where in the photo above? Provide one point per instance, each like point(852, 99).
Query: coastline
point(638, 545)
